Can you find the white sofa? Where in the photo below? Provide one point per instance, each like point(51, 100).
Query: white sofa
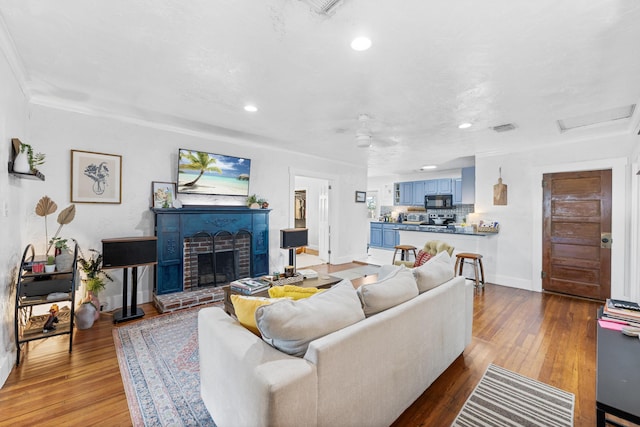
point(365, 374)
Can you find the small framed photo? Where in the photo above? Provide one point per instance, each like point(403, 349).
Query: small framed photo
point(163, 194)
point(361, 196)
point(95, 177)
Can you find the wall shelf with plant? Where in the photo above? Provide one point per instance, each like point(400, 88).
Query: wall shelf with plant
point(24, 161)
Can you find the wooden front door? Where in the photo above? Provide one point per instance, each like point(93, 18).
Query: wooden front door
point(576, 254)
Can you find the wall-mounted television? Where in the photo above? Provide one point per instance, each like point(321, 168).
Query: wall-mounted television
point(200, 172)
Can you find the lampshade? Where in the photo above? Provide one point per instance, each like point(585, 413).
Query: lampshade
point(293, 238)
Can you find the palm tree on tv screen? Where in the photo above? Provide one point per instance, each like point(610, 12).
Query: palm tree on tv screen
point(198, 161)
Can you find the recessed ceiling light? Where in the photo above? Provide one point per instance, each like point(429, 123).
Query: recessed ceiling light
point(427, 167)
point(250, 108)
point(361, 43)
point(464, 125)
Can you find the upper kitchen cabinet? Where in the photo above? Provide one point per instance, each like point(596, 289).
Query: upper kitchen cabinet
point(457, 191)
point(469, 185)
point(438, 186)
point(403, 193)
point(418, 193)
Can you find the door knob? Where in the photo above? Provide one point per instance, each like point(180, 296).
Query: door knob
point(605, 240)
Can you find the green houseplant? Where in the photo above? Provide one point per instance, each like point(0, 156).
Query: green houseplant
point(95, 282)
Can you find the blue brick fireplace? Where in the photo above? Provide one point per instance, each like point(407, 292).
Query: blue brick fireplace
point(235, 236)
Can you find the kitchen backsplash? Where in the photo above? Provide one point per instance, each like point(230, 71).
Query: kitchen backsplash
point(461, 211)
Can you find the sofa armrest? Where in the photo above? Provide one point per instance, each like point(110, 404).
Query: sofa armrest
point(246, 382)
point(469, 293)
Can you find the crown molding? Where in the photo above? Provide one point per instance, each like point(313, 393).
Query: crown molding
point(8, 48)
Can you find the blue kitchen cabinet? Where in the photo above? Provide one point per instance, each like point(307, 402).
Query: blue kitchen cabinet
point(469, 185)
point(406, 193)
point(457, 191)
point(445, 186)
point(375, 235)
point(431, 187)
point(418, 193)
point(390, 236)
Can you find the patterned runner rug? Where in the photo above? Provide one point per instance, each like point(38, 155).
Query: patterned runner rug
point(159, 364)
point(504, 398)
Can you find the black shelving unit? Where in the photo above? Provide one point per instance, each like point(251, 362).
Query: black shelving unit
point(35, 289)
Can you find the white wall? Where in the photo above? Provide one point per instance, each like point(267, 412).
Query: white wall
point(13, 117)
point(519, 244)
point(148, 154)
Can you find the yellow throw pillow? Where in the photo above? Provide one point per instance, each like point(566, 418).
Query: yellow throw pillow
point(292, 291)
point(245, 308)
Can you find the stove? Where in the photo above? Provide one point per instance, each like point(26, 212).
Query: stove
point(443, 218)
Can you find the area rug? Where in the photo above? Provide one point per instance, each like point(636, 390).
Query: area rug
point(504, 398)
point(160, 369)
point(356, 273)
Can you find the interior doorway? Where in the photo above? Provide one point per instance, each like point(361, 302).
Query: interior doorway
point(311, 211)
point(576, 258)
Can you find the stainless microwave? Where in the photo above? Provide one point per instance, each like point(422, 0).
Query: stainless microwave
point(438, 201)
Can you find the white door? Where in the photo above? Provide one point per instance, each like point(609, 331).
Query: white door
point(324, 230)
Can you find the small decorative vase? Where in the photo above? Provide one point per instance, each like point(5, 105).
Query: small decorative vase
point(254, 206)
point(64, 261)
point(49, 268)
point(86, 315)
point(21, 163)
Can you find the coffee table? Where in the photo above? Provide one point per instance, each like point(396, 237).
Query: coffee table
point(617, 377)
point(323, 281)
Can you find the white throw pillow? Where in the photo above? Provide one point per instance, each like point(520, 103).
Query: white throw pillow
point(397, 287)
point(291, 325)
point(434, 272)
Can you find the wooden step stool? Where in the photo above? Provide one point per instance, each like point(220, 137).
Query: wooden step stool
point(476, 260)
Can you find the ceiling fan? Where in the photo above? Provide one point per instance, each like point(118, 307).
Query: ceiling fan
point(367, 128)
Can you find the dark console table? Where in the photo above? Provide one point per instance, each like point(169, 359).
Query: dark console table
point(617, 377)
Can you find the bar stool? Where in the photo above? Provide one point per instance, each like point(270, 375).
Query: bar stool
point(476, 260)
point(404, 252)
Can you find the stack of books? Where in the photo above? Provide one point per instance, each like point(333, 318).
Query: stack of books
point(249, 286)
point(622, 312)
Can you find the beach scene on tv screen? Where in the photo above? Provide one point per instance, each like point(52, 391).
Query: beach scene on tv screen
point(207, 173)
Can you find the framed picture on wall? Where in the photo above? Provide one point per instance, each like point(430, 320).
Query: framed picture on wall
point(361, 196)
point(95, 177)
point(163, 194)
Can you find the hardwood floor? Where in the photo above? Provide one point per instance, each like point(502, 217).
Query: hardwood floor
point(550, 338)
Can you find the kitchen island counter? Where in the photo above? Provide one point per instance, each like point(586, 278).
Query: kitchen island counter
point(427, 229)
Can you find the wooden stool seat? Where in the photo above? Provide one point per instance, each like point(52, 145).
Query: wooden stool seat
point(404, 250)
point(476, 260)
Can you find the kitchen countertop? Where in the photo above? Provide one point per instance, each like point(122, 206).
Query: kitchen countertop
point(423, 229)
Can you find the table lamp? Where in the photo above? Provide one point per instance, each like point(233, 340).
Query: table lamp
point(292, 238)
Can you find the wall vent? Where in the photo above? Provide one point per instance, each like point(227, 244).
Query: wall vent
point(324, 7)
point(504, 128)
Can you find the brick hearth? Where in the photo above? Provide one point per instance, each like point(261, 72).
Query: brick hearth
point(181, 300)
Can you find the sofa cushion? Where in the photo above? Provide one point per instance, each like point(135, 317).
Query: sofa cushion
point(290, 325)
point(245, 309)
point(396, 288)
point(434, 272)
point(422, 258)
point(292, 291)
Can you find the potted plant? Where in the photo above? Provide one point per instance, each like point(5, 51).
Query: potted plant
point(26, 161)
point(50, 266)
point(95, 282)
point(252, 202)
point(64, 258)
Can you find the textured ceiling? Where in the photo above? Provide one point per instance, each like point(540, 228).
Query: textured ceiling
point(433, 65)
